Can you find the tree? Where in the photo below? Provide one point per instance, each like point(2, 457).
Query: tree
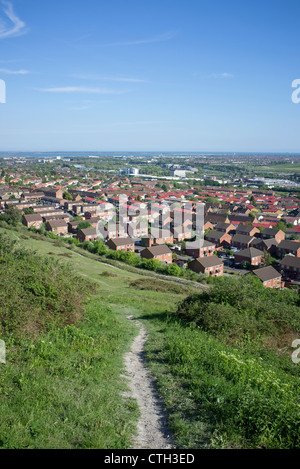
point(28, 211)
point(67, 196)
point(174, 270)
point(12, 216)
point(281, 225)
point(83, 225)
point(267, 259)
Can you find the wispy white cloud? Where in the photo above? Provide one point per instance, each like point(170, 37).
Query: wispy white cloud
point(119, 79)
point(222, 75)
point(14, 72)
point(159, 38)
point(81, 89)
point(11, 26)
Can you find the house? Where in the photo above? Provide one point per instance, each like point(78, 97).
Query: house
point(57, 226)
point(160, 252)
point(219, 238)
point(225, 228)
point(112, 230)
point(72, 226)
point(180, 234)
point(210, 265)
point(267, 233)
point(247, 230)
point(241, 241)
point(215, 218)
point(251, 255)
point(121, 244)
point(137, 229)
point(238, 219)
point(87, 234)
point(269, 276)
point(55, 193)
point(269, 245)
point(158, 236)
point(32, 220)
point(200, 248)
point(289, 267)
point(288, 247)
point(208, 226)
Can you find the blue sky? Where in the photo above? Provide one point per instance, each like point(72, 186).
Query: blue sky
point(155, 75)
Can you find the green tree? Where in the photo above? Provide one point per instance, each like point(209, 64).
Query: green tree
point(12, 216)
point(174, 270)
point(83, 225)
point(281, 225)
point(67, 196)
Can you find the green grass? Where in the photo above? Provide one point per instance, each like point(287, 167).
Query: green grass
point(64, 390)
point(218, 393)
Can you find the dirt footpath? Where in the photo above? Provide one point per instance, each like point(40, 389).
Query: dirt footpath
point(152, 427)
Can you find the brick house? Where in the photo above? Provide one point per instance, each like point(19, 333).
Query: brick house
point(241, 219)
point(113, 230)
point(251, 255)
point(270, 277)
point(247, 230)
point(208, 226)
point(87, 234)
point(137, 229)
point(160, 252)
point(53, 193)
point(72, 226)
point(57, 226)
point(267, 233)
point(121, 244)
point(289, 267)
point(269, 245)
point(200, 248)
point(210, 265)
point(241, 241)
point(225, 228)
point(215, 218)
point(288, 247)
point(32, 220)
point(219, 238)
point(180, 234)
point(158, 236)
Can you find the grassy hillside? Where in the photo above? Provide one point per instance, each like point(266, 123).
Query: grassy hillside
point(221, 359)
point(61, 386)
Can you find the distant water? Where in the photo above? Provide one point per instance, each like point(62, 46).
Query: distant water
point(150, 154)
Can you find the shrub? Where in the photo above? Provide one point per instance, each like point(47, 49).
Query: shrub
point(37, 293)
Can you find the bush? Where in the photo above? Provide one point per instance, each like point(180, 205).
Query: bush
point(37, 293)
point(243, 306)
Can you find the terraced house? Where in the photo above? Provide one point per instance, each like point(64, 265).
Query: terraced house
point(219, 238)
point(288, 247)
point(121, 244)
point(57, 226)
point(270, 277)
point(210, 265)
point(200, 248)
point(241, 241)
point(32, 220)
point(160, 252)
point(289, 267)
point(251, 255)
